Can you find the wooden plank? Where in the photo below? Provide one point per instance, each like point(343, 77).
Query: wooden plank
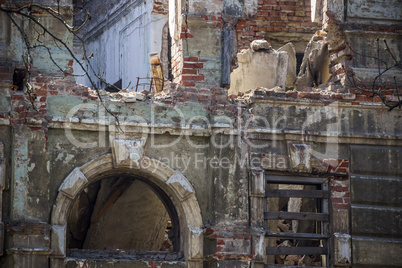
point(280, 266)
point(296, 251)
point(293, 180)
point(303, 216)
point(297, 235)
point(297, 193)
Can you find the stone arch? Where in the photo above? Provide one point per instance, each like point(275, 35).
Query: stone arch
point(173, 183)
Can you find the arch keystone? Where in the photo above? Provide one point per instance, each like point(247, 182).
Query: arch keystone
point(127, 153)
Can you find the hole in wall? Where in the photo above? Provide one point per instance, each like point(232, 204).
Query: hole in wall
point(19, 79)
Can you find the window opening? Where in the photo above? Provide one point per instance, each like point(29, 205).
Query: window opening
point(115, 87)
point(299, 61)
point(296, 221)
point(19, 79)
point(169, 55)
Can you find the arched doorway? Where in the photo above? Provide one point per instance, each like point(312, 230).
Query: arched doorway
point(171, 188)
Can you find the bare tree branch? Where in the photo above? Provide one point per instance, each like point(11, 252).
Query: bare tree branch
point(25, 11)
point(377, 83)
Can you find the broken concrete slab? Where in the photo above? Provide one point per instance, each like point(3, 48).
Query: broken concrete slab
point(314, 69)
point(260, 45)
point(259, 68)
point(291, 75)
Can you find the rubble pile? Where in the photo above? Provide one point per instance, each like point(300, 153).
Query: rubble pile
point(285, 226)
point(122, 95)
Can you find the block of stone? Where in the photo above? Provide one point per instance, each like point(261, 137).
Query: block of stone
point(259, 68)
point(260, 45)
point(291, 74)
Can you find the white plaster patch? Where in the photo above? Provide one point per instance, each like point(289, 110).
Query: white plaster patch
point(68, 158)
point(59, 157)
point(31, 167)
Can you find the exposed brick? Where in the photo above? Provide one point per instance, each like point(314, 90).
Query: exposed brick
point(191, 59)
point(291, 94)
point(190, 71)
point(198, 65)
point(193, 78)
point(188, 83)
point(340, 206)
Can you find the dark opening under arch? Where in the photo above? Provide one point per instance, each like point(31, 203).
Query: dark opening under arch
point(123, 212)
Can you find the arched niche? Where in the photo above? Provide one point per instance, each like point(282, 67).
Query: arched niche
point(173, 183)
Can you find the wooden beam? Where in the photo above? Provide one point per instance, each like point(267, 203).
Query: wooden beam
point(297, 193)
point(305, 236)
point(280, 266)
point(296, 251)
point(303, 216)
point(293, 180)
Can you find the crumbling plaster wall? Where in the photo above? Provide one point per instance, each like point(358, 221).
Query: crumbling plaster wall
point(221, 191)
point(182, 153)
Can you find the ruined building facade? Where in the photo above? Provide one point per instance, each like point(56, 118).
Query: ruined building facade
point(251, 154)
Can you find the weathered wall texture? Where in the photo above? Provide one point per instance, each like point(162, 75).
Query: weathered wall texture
point(208, 155)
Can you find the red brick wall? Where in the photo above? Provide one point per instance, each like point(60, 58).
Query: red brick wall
point(191, 67)
point(190, 75)
point(275, 16)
